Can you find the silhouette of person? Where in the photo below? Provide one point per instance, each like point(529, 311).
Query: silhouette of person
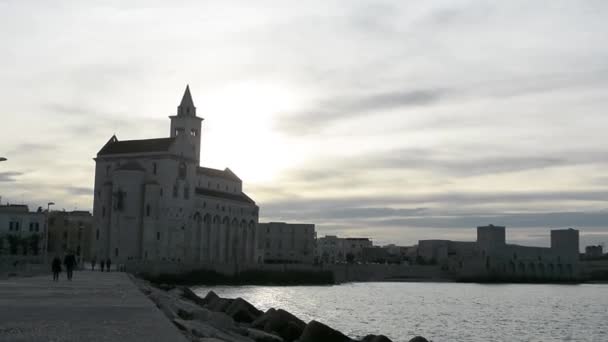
point(69, 262)
point(108, 263)
point(56, 267)
point(102, 264)
point(93, 262)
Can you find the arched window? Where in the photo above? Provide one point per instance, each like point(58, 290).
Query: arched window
point(181, 171)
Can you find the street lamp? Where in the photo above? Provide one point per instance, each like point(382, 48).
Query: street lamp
point(46, 232)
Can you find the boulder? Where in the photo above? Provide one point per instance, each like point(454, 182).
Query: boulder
point(176, 292)
point(219, 304)
point(184, 309)
point(262, 336)
point(280, 322)
point(319, 332)
point(418, 339)
point(166, 304)
point(242, 311)
point(202, 330)
point(191, 296)
point(211, 296)
point(376, 338)
point(217, 319)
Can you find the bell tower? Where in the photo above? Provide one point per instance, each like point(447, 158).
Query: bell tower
point(187, 124)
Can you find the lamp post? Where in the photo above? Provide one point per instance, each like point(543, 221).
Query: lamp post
point(46, 232)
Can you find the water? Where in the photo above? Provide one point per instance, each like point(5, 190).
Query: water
point(443, 312)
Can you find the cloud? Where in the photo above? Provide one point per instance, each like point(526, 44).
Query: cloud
point(79, 191)
point(9, 176)
point(348, 107)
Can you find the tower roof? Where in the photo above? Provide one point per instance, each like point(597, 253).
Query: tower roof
point(186, 107)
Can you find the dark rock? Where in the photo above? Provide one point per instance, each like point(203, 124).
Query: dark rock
point(219, 304)
point(242, 311)
point(211, 296)
point(166, 287)
point(262, 336)
point(191, 296)
point(319, 332)
point(376, 338)
point(280, 322)
point(419, 339)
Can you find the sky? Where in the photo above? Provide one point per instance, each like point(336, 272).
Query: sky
point(393, 120)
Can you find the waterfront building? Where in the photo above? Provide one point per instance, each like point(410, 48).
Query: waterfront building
point(154, 202)
point(21, 230)
point(333, 249)
point(593, 252)
point(491, 256)
point(287, 242)
point(71, 231)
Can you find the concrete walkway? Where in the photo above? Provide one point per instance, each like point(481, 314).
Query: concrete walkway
point(94, 306)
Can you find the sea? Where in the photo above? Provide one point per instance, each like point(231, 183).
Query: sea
point(442, 312)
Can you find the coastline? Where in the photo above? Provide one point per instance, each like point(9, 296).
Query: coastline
point(225, 319)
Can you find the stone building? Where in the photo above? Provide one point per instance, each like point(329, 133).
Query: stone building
point(70, 231)
point(490, 256)
point(287, 242)
point(153, 201)
point(21, 230)
point(333, 249)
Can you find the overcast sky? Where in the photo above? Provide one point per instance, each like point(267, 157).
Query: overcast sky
point(389, 119)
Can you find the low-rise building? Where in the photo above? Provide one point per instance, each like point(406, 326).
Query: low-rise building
point(21, 230)
point(71, 231)
point(593, 252)
point(333, 249)
point(281, 242)
point(490, 256)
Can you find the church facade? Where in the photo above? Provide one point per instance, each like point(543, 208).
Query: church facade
point(154, 202)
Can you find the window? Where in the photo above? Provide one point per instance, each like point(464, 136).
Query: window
point(161, 192)
point(107, 170)
point(175, 191)
point(98, 193)
point(148, 210)
point(217, 186)
point(153, 168)
point(193, 132)
point(116, 252)
point(103, 211)
point(97, 235)
point(157, 236)
point(65, 235)
point(31, 226)
point(186, 192)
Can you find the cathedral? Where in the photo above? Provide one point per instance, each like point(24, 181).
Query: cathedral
point(154, 202)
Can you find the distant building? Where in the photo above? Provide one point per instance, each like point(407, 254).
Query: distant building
point(333, 249)
point(491, 256)
point(71, 231)
point(154, 202)
point(286, 242)
point(592, 252)
point(21, 230)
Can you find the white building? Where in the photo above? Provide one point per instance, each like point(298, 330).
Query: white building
point(333, 249)
point(18, 227)
point(153, 201)
point(287, 242)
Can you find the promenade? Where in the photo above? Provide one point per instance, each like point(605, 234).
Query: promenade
point(94, 306)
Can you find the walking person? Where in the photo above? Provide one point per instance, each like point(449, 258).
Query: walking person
point(108, 263)
point(93, 262)
point(102, 263)
point(56, 267)
point(70, 263)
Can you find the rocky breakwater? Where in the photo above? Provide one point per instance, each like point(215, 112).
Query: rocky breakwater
point(214, 319)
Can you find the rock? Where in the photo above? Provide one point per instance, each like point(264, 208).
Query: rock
point(184, 309)
point(242, 311)
point(376, 338)
point(200, 329)
point(419, 339)
point(219, 304)
point(262, 336)
point(217, 319)
point(319, 332)
point(166, 287)
point(211, 296)
point(191, 296)
point(167, 305)
point(280, 322)
point(176, 292)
